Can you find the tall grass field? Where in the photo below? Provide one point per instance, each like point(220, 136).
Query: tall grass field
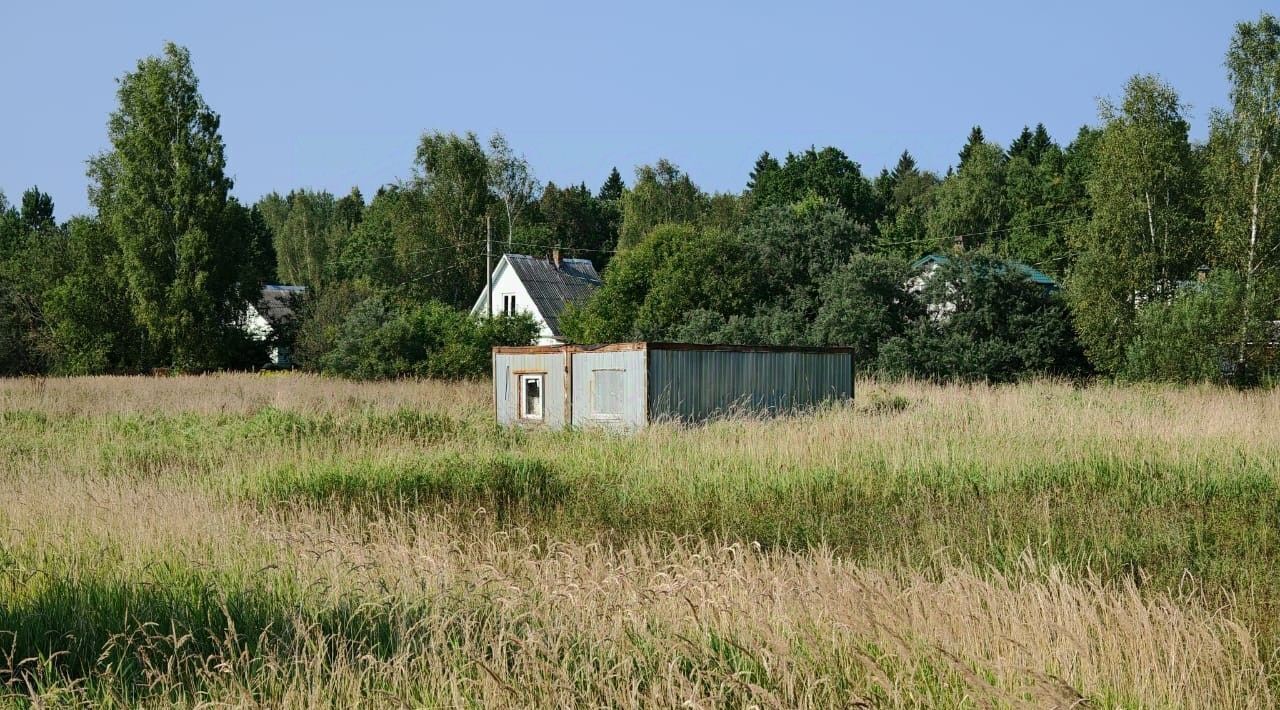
point(292, 541)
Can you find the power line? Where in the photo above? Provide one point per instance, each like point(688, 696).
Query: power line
point(563, 248)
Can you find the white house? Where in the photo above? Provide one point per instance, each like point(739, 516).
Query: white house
point(273, 310)
point(927, 266)
point(539, 287)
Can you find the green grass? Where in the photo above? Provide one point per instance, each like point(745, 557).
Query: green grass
point(1110, 484)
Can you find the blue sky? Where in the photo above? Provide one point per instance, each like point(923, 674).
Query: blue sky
point(329, 96)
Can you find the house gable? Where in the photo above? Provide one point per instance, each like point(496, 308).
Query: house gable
point(538, 287)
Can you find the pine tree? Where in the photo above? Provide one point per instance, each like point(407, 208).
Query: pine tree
point(37, 210)
point(765, 165)
point(613, 186)
point(976, 138)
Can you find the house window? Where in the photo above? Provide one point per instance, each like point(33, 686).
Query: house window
point(508, 304)
point(531, 397)
point(606, 393)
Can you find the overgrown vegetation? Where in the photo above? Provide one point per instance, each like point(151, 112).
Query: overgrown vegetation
point(296, 541)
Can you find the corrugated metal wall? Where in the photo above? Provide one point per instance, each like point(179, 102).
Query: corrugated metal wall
point(697, 384)
point(593, 407)
point(506, 369)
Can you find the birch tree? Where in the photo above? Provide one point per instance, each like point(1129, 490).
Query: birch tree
point(511, 180)
point(1243, 179)
point(1143, 236)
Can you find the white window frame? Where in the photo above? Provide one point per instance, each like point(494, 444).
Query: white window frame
point(508, 310)
point(621, 395)
point(522, 378)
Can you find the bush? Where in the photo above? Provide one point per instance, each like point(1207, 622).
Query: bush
point(864, 303)
point(380, 340)
point(983, 320)
point(1187, 339)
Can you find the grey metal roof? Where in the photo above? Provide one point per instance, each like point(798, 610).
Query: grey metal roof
point(552, 289)
point(276, 303)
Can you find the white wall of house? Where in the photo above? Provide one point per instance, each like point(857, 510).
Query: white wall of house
point(260, 328)
point(509, 286)
point(918, 283)
point(255, 324)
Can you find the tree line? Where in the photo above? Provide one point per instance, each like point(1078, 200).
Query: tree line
point(1165, 249)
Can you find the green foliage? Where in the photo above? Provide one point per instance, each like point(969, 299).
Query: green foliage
point(382, 340)
point(92, 326)
point(756, 284)
point(765, 166)
point(661, 194)
point(577, 222)
point(1043, 203)
point(828, 174)
point(971, 206)
point(511, 180)
point(906, 195)
point(864, 303)
point(37, 210)
point(613, 187)
point(1187, 339)
point(1145, 199)
point(320, 319)
point(709, 269)
point(985, 321)
point(611, 312)
point(796, 245)
point(305, 239)
point(453, 175)
point(161, 191)
point(1243, 183)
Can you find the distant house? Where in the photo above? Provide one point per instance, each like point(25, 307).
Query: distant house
point(539, 287)
point(270, 315)
point(927, 266)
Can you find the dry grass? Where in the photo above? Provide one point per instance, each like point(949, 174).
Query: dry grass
point(234, 394)
point(132, 558)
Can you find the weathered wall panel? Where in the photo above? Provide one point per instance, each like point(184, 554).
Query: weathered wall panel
point(695, 384)
point(625, 369)
point(506, 370)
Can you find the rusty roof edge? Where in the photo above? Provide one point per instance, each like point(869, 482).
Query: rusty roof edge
point(662, 345)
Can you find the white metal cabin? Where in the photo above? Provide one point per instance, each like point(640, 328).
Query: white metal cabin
point(625, 386)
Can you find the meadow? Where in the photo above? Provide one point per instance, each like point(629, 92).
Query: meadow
point(295, 541)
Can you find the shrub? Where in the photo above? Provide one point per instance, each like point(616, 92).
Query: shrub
point(1187, 339)
point(985, 321)
point(381, 340)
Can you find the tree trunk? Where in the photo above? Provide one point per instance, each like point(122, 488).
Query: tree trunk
point(1249, 264)
point(1151, 232)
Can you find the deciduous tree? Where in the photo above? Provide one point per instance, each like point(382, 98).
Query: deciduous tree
point(1143, 236)
point(161, 191)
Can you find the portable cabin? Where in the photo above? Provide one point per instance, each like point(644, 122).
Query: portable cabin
point(625, 386)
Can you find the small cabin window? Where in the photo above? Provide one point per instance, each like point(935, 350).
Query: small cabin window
point(606, 393)
point(508, 304)
point(531, 397)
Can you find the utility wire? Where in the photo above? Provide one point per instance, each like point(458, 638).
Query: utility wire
point(563, 248)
